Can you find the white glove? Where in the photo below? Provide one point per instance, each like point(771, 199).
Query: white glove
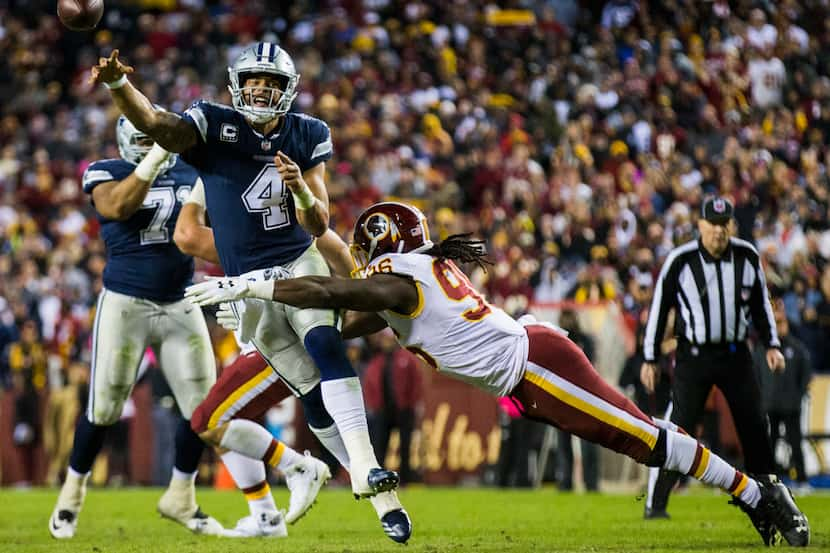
point(227, 289)
point(226, 317)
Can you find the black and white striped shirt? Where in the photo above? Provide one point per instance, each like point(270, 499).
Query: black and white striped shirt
point(713, 298)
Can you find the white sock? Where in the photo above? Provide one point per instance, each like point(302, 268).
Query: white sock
point(361, 453)
point(331, 440)
point(249, 476)
point(264, 504)
point(385, 502)
point(72, 473)
point(687, 455)
point(653, 473)
point(247, 438)
point(183, 476)
point(343, 399)
point(71, 496)
point(252, 440)
point(289, 457)
point(246, 472)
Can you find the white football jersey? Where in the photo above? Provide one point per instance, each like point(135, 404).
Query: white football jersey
point(454, 329)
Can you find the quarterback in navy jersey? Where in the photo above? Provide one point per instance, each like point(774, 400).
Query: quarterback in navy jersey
point(141, 304)
point(252, 213)
point(263, 171)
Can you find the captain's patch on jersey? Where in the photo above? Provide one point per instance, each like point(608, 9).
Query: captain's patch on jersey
point(229, 133)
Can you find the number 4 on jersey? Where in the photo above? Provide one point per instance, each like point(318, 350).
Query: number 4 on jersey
point(267, 194)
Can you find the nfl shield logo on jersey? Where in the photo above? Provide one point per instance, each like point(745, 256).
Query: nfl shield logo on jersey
point(266, 145)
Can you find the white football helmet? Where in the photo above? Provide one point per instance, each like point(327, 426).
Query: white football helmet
point(133, 144)
point(263, 58)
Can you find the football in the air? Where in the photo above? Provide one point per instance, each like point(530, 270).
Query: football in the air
point(80, 15)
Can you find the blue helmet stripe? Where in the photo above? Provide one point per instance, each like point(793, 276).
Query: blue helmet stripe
point(259, 51)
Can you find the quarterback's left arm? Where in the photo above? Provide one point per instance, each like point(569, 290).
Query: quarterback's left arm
point(336, 253)
point(192, 235)
point(311, 199)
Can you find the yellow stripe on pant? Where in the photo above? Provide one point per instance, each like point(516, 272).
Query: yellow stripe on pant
point(592, 410)
point(238, 393)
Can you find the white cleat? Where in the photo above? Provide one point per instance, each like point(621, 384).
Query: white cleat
point(266, 525)
point(179, 505)
point(63, 523)
point(64, 519)
point(304, 479)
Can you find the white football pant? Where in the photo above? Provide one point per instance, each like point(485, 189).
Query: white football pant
point(124, 327)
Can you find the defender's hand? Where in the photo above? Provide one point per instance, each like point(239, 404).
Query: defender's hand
point(217, 290)
point(290, 173)
point(109, 69)
point(775, 360)
point(649, 376)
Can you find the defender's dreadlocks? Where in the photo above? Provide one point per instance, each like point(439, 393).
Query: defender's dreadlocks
point(458, 247)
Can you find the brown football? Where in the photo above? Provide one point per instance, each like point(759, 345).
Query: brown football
point(80, 15)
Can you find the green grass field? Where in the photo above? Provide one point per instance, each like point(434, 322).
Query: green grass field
point(445, 520)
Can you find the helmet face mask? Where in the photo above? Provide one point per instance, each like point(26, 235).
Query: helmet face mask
point(263, 60)
point(133, 144)
point(388, 227)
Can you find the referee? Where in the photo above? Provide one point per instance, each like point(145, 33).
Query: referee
point(715, 284)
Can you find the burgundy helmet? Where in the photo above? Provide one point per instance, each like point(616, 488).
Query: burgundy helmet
point(389, 227)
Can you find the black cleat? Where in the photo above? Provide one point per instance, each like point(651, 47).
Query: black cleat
point(382, 480)
point(397, 525)
point(767, 531)
point(779, 508)
point(655, 514)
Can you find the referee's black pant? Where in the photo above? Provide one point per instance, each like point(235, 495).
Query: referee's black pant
point(730, 368)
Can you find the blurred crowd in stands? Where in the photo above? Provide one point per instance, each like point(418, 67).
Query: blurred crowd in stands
point(578, 138)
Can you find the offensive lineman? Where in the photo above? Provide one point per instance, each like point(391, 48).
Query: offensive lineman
point(137, 199)
point(263, 170)
point(414, 286)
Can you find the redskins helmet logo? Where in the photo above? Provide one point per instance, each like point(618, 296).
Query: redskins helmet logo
point(377, 226)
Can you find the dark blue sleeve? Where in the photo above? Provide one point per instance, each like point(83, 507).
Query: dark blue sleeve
point(320, 148)
point(104, 171)
point(198, 116)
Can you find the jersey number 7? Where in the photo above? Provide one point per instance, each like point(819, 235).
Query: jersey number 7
point(267, 194)
point(457, 287)
point(163, 200)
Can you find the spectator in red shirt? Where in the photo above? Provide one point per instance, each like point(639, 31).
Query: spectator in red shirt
point(392, 390)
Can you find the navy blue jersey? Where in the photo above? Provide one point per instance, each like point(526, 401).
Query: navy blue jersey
point(249, 207)
point(142, 260)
